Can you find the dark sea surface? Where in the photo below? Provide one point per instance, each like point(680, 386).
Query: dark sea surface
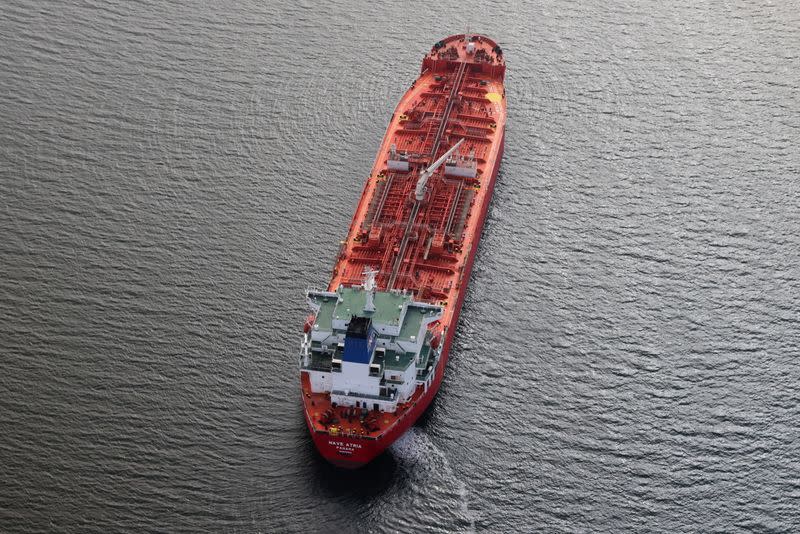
point(173, 175)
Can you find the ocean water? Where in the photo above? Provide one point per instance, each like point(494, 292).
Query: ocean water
point(173, 175)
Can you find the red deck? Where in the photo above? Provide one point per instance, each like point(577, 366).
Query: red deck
point(423, 246)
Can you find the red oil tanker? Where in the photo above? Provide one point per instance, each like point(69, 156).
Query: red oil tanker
point(375, 346)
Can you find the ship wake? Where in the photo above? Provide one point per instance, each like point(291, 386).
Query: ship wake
point(428, 467)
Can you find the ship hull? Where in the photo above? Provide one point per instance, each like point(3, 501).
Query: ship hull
point(353, 453)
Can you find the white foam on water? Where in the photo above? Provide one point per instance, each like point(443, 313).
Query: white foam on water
point(422, 459)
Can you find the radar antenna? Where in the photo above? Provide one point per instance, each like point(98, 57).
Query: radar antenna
point(369, 287)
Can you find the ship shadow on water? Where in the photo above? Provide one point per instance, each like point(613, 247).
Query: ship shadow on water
point(373, 480)
point(362, 484)
point(369, 481)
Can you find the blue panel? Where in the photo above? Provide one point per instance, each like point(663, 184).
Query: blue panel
point(359, 350)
